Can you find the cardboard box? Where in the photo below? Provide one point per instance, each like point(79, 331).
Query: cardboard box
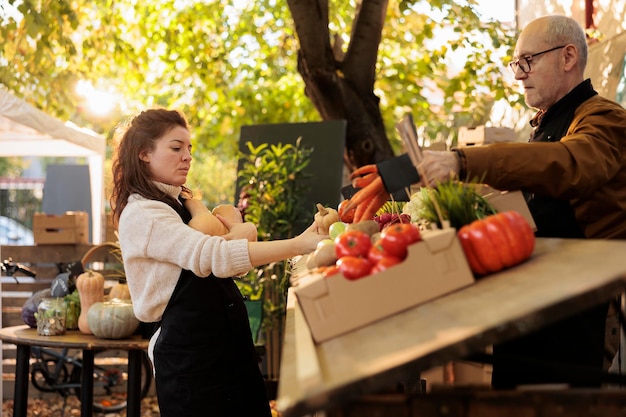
point(509, 201)
point(482, 135)
point(69, 228)
point(334, 305)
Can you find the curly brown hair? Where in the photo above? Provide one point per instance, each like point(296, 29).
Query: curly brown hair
point(135, 137)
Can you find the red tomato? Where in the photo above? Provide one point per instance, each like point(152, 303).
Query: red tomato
point(385, 262)
point(376, 252)
point(352, 243)
point(396, 238)
point(345, 216)
point(354, 267)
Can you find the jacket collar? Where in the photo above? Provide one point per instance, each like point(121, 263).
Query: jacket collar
point(551, 125)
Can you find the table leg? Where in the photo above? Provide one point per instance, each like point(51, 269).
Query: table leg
point(86, 391)
point(133, 405)
point(22, 364)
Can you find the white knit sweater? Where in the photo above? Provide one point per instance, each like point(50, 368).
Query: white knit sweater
point(156, 246)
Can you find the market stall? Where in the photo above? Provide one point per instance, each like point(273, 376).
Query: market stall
point(563, 277)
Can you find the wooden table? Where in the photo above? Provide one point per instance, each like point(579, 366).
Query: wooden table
point(563, 277)
point(25, 337)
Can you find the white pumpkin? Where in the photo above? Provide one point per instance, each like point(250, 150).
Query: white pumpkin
point(113, 319)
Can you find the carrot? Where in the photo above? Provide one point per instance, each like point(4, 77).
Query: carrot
point(365, 193)
point(364, 181)
point(374, 205)
point(365, 169)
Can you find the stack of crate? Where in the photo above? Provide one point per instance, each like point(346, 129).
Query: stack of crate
point(69, 228)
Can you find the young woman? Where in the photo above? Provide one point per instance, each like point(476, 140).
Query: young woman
point(179, 278)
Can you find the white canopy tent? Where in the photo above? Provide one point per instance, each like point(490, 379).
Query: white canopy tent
point(28, 131)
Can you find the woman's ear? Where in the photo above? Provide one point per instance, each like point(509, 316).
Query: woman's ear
point(144, 157)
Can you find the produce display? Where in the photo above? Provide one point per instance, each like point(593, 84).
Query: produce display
point(360, 249)
point(376, 264)
point(364, 242)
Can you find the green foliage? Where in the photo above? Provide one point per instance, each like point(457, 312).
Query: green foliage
point(443, 63)
point(272, 179)
point(227, 65)
point(214, 177)
point(459, 203)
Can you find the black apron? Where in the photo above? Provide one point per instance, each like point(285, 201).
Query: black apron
point(205, 360)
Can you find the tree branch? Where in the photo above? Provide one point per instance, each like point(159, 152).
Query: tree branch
point(360, 62)
point(311, 22)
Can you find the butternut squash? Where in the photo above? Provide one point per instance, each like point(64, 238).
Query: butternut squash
point(206, 221)
point(120, 290)
point(203, 220)
point(90, 286)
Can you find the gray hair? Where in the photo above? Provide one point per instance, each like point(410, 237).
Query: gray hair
point(563, 30)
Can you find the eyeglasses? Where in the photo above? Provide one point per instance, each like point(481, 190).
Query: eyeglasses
point(523, 63)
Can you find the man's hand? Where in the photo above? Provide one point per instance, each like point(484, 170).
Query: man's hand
point(437, 167)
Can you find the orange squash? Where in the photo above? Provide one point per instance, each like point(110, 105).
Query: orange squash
point(90, 286)
point(203, 220)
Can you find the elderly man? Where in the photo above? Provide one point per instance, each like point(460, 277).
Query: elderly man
point(574, 169)
point(573, 173)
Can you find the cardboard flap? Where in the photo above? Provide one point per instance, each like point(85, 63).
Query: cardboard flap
point(438, 240)
point(312, 286)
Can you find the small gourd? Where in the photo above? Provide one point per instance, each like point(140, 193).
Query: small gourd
point(90, 286)
point(120, 290)
point(324, 217)
point(113, 319)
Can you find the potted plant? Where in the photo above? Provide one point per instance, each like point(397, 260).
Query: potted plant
point(272, 183)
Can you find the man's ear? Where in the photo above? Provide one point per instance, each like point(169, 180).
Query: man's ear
point(571, 57)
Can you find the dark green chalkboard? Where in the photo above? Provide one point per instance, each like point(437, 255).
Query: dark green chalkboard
point(326, 166)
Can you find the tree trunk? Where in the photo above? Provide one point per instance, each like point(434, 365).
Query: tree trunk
point(341, 86)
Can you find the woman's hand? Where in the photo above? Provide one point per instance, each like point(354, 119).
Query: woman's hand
point(229, 212)
point(239, 230)
point(308, 240)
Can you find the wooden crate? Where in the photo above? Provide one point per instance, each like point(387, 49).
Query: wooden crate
point(69, 228)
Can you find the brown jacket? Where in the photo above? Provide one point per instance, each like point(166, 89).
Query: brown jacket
point(587, 167)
